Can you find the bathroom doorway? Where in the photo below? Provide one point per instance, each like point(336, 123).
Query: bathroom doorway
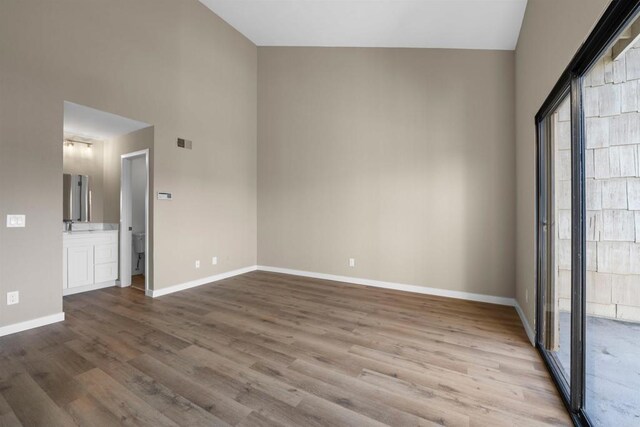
point(134, 220)
point(93, 147)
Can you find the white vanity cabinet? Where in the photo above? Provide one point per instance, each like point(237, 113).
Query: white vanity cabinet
point(90, 260)
point(79, 265)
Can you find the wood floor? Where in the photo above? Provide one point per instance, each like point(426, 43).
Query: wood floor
point(138, 282)
point(267, 349)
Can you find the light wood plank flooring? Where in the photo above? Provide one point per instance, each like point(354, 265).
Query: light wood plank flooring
point(267, 349)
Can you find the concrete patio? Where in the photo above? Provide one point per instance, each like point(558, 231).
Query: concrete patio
point(613, 369)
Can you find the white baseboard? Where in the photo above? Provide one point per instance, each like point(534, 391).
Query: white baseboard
point(357, 281)
point(94, 287)
point(30, 324)
point(397, 286)
point(527, 327)
point(59, 317)
point(199, 282)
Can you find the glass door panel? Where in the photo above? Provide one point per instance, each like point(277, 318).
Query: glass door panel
point(612, 187)
point(556, 319)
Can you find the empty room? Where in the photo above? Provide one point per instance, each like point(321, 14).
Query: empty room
point(320, 213)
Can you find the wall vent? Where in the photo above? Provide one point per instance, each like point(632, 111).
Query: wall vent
point(184, 143)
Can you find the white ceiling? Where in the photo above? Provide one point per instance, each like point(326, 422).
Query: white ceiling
point(96, 124)
point(455, 24)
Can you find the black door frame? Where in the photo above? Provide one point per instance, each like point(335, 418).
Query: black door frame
point(616, 18)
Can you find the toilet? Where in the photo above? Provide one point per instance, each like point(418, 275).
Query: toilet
point(138, 242)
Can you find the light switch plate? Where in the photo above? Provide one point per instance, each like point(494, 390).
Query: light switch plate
point(16, 221)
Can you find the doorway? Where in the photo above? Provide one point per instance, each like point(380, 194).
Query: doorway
point(93, 144)
point(134, 220)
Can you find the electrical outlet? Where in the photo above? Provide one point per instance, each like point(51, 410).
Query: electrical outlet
point(214, 260)
point(198, 263)
point(352, 262)
point(13, 297)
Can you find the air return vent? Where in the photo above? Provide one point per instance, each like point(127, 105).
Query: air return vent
point(184, 143)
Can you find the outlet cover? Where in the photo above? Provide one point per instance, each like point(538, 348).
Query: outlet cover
point(13, 298)
point(197, 263)
point(352, 262)
point(214, 260)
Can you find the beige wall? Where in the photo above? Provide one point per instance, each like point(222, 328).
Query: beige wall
point(80, 160)
point(400, 158)
point(551, 33)
point(170, 63)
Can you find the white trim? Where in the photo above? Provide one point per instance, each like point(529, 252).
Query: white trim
point(397, 286)
point(199, 282)
point(527, 327)
point(124, 252)
point(93, 287)
point(30, 324)
point(125, 179)
point(357, 281)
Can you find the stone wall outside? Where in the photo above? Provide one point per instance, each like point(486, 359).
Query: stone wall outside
point(612, 110)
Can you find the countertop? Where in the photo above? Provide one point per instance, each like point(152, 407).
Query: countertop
point(80, 232)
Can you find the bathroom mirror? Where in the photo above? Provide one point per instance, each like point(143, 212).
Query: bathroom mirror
point(76, 198)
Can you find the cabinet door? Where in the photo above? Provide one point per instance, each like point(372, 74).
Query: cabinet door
point(106, 253)
point(79, 265)
point(106, 272)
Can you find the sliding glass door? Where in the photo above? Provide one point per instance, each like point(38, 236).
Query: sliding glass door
point(588, 211)
point(612, 280)
point(556, 280)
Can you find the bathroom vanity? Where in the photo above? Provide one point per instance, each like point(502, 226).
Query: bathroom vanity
point(90, 260)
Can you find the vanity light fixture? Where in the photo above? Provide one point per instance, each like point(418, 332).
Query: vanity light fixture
point(71, 142)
